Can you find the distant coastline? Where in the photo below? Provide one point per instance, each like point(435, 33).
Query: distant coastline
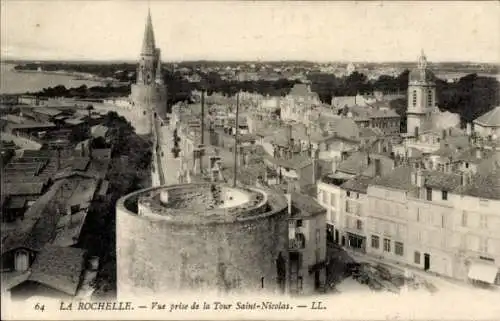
point(23, 81)
point(75, 75)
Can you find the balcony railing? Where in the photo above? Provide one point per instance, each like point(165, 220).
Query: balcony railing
point(297, 243)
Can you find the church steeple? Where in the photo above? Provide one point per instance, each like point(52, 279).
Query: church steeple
point(148, 43)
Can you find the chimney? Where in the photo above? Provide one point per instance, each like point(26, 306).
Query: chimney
point(468, 129)
point(479, 152)
point(289, 202)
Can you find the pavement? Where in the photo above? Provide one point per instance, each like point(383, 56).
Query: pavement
point(440, 282)
point(168, 164)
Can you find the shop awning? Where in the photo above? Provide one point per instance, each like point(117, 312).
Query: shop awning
point(483, 271)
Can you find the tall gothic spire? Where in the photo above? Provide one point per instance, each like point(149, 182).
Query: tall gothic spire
point(148, 43)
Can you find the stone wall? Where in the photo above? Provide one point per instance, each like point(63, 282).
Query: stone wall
point(160, 257)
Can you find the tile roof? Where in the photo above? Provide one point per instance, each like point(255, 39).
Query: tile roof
point(358, 184)
point(491, 118)
point(471, 155)
point(399, 179)
point(47, 111)
point(384, 113)
point(59, 268)
point(442, 181)
point(23, 188)
point(354, 164)
point(485, 186)
point(306, 205)
point(35, 230)
point(296, 162)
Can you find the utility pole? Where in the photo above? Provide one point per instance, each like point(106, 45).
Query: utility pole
point(202, 128)
point(236, 139)
point(89, 109)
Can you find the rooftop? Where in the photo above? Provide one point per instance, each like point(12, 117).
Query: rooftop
point(59, 268)
point(490, 119)
point(305, 205)
point(485, 186)
point(358, 184)
point(399, 178)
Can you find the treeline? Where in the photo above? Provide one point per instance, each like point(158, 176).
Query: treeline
point(118, 71)
point(97, 92)
point(471, 96)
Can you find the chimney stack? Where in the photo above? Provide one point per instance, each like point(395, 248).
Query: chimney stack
point(468, 129)
point(289, 202)
point(479, 152)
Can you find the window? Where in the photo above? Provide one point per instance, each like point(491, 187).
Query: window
point(387, 245)
point(416, 258)
point(299, 223)
point(348, 194)
point(418, 214)
point(398, 248)
point(262, 282)
point(429, 98)
point(375, 242)
point(484, 221)
point(144, 112)
point(429, 194)
point(347, 208)
point(414, 98)
point(444, 195)
point(466, 165)
point(442, 220)
point(359, 224)
point(318, 236)
point(464, 218)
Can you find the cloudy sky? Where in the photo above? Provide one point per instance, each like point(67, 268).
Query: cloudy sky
point(246, 30)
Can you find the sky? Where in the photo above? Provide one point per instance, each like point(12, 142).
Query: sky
point(372, 31)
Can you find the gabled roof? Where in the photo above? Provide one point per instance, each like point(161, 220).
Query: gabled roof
point(399, 179)
point(489, 119)
point(23, 188)
point(59, 268)
point(306, 205)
